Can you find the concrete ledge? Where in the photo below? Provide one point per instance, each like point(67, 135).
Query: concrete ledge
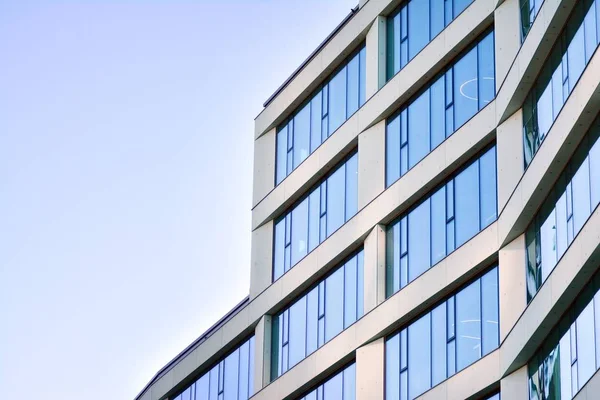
point(591, 389)
point(431, 60)
point(562, 140)
point(473, 382)
point(565, 282)
point(522, 74)
point(398, 310)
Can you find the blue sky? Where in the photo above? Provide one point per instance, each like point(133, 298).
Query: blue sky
point(126, 133)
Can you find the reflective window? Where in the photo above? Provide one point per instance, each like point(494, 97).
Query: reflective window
point(340, 97)
point(568, 357)
point(529, 10)
point(564, 212)
point(443, 341)
point(327, 309)
point(326, 208)
point(427, 19)
point(341, 386)
point(453, 98)
point(439, 224)
point(567, 61)
point(231, 379)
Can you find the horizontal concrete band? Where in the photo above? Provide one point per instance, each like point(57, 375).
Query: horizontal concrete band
point(431, 60)
point(417, 297)
point(558, 147)
point(565, 282)
point(591, 389)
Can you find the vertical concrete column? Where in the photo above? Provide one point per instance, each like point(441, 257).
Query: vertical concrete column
point(374, 268)
point(371, 163)
point(512, 281)
point(370, 360)
point(262, 353)
point(514, 386)
point(376, 45)
point(507, 37)
point(264, 166)
point(510, 158)
point(261, 259)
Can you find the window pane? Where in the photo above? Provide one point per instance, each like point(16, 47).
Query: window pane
point(393, 45)
point(281, 156)
point(438, 226)
point(460, 5)
point(487, 172)
point(490, 325)
point(279, 249)
point(581, 195)
point(353, 85)
point(586, 355)
point(418, 33)
point(466, 204)
point(486, 73)
point(418, 240)
point(299, 231)
point(418, 128)
point(202, 387)
point(392, 368)
point(315, 122)
point(465, 88)
point(438, 113)
point(337, 100)
point(314, 212)
point(350, 272)
point(350, 383)
point(214, 383)
point(301, 135)
point(392, 151)
point(244, 376)
point(576, 55)
point(230, 388)
point(437, 17)
point(419, 356)
point(351, 187)
point(332, 389)
point(362, 85)
point(335, 200)
point(438, 343)
point(334, 304)
point(548, 244)
point(312, 309)
point(565, 365)
point(544, 112)
point(392, 260)
point(360, 284)
point(297, 333)
point(595, 169)
point(468, 326)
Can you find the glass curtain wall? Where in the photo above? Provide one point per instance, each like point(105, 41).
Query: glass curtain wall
point(340, 387)
point(570, 355)
point(340, 97)
point(445, 340)
point(312, 220)
point(452, 99)
point(571, 53)
point(317, 317)
point(453, 214)
point(564, 212)
point(231, 379)
point(413, 25)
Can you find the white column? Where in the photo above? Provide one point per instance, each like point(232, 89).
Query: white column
point(370, 360)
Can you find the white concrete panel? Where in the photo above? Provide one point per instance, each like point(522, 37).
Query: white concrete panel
point(370, 362)
point(374, 268)
point(513, 296)
point(371, 164)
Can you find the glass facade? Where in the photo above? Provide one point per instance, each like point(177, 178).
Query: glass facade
point(328, 206)
point(340, 97)
point(450, 337)
point(564, 212)
point(427, 19)
point(571, 353)
point(451, 100)
point(231, 379)
point(453, 214)
point(317, 317)
point(340, 387)
point(529, 10)
point(572, 51)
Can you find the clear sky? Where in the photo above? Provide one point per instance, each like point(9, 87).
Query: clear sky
point(126, 132)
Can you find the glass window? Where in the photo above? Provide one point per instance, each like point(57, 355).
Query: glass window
point(350, 292)
point(334, 303)
point(465, 88)
point(489, 311)
point(460, 5)
point(336, 200)
point(351, 195)
point(333, 388)
point(392, 368)
point(581, 195)
point(341, 386)
point(350, 383)
point(586, 359)
point(438, 344)
point(300, 231)
point(280, 171)
point(301, 135)
point(392, 151)
point(297, 332)
point(232, 363)
point(418, 129)
point(487, 185)
point(419, 356)
point(418, 241)
point(438, 113)
point(337, 100)
point(486, 71)
point(468, 326)
point(353, 83)
point(595, 173)
point(466, 204)
point(418, 32)
point(279, 246)
point(438, 226)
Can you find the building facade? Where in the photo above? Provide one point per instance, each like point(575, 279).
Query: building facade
point(424, 215)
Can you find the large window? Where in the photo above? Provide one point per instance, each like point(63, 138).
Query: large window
point(340, 387)
point(570, 355)
point(445, 340)
point(340, 97)
point(453, 214)
point(231, 379)
point(413, 25)
point(572, 51)
point(333, 202)
point(566, 209)
point(529, 10)
point(326, 310)
point(451, 100)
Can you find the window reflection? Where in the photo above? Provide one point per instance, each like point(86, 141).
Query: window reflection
point(341, 386)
